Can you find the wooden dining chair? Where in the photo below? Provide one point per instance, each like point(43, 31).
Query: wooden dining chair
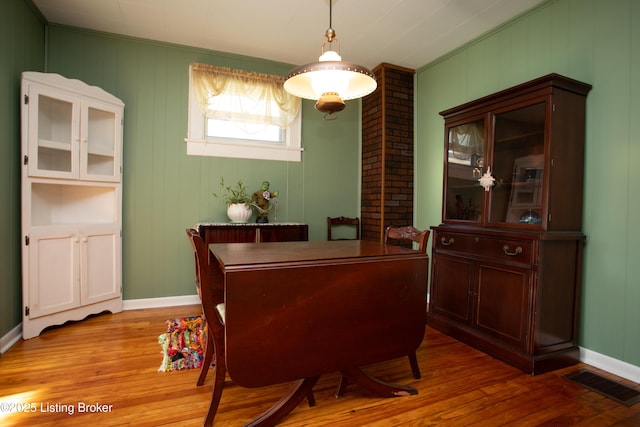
point(343, 222)
point(211, 292)
point(408, 235)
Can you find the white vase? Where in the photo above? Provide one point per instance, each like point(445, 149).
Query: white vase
point(239, 212)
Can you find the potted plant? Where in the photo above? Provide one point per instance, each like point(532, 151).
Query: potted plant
point(237, 201)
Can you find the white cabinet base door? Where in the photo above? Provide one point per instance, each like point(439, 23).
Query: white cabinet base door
point(53, 276)
point(71, 274)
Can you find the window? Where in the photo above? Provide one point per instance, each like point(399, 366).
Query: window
point(233, 113)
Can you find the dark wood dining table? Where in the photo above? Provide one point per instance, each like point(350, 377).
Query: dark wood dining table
point(297, 310)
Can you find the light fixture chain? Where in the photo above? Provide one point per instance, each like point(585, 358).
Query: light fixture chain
point(330, 14)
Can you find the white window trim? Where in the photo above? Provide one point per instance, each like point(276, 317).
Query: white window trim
point(199, 145)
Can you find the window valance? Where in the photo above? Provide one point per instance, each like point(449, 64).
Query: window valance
point(246, 98)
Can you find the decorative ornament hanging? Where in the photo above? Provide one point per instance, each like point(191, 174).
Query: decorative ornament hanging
point(486, 180)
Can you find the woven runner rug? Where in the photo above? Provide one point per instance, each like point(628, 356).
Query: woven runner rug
point(183, 344)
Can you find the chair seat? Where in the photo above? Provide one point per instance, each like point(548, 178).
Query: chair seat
point(220, 308)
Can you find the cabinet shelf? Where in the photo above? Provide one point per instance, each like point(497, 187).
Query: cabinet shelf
point(54, 145)
point(101, 151)
point(524, 183)
point(53, 203)
point(461, 187)
point(519, 137)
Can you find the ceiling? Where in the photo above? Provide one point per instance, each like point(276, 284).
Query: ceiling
point(408, 33)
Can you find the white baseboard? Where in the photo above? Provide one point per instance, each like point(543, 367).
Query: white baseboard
point(611, 365)
point(137, 304)
point(12, 337)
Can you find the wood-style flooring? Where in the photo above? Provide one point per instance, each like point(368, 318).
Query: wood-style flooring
point(111, 362)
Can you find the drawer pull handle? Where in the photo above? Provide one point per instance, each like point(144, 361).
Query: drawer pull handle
point(446, 242)
point(505, 249)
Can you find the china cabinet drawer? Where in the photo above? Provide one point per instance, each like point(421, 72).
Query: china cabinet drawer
point(486, 247)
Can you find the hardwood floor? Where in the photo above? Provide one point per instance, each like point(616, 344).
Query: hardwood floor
point(112, 360)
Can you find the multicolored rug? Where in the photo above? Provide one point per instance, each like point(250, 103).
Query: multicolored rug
point(183, 344)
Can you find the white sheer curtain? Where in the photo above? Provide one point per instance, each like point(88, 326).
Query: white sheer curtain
point(247, 99)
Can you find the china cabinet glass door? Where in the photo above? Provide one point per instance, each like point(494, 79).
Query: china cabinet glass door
point(465, 164)
point(73, 138)
point(518, 166)
point(55, 139)
point(98, 156)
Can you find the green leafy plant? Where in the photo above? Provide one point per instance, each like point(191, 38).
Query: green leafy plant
point(233, 194)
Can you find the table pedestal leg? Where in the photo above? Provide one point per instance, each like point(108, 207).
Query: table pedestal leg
point(301, 389)
point(374, 385)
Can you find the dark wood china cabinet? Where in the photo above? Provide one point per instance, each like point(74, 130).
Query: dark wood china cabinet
point(506, 269)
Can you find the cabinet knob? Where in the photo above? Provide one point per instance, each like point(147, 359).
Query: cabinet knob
point(506, 251)
point(446, 242)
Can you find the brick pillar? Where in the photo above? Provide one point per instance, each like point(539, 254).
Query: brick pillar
point(387, 152)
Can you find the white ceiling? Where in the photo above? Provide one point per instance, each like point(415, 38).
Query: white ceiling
point(409, 33)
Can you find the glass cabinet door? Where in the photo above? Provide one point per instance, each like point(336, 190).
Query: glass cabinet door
point(465, 164)
point(73, 138)
point(53, 135)
point(98, 157)
point(518, 166)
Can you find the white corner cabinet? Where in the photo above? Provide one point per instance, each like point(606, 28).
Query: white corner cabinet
point(71, 201)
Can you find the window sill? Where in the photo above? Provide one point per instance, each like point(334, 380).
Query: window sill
point(257, 151)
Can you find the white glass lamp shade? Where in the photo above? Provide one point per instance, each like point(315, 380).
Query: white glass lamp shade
point(330, 75)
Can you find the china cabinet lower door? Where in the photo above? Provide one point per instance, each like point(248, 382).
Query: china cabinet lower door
point(101, 267)
point(501, 302)
point(451, 288)
point(71, 274)
point(480, 298)
point(53, 264)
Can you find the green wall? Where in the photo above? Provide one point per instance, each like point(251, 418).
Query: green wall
point(21, 49)
point(164, 190)
point(596, 42)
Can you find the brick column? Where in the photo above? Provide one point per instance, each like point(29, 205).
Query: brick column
point(387, 152)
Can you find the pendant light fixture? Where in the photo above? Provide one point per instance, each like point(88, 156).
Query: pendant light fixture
point(330, 81)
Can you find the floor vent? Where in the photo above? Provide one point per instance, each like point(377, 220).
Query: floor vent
point(609, 388)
